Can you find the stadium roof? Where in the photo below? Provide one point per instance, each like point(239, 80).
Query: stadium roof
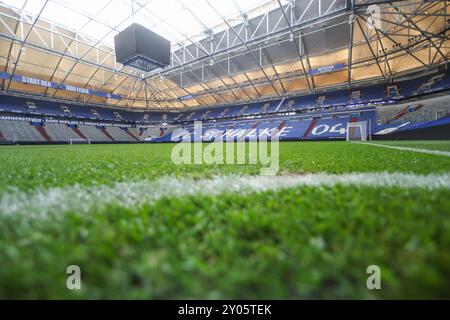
point(222, 51)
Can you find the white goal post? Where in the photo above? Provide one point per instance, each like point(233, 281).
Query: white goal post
point(358, 131)
point(79, 141)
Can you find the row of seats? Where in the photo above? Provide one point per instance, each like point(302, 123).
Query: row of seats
point(19, 131)
point(26, 131)
point(94, 133)
point(410, 126)
point(376, 93)
point(58, 132)
point(415, 111)
point(328, 125)
point(119, 134)
point(285, 129)
point(322, 129)
point(398, 90)
point(295, 127)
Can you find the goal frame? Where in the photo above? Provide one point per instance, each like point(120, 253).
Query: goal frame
point(70, 141)
point(366, 135)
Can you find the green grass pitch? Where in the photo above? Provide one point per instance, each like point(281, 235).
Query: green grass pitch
point(302, 242)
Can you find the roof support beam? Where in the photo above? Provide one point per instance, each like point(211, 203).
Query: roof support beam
point(96, 43)
point(12, 45)
point(383, 49)
point(350, 48)
point(370, 47)
point(58, 54)
point(198, 46)
point(406, 49)
point(423, 32)
point(260, 51)
point(25, 41)
point(311, 84)
point(70, 43)
point(247, 48)
point(271, 34)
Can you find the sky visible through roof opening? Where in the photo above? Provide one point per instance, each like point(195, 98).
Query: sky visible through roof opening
point(175, 20)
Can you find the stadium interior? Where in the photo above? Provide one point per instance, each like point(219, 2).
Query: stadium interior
point(108, 114)
point(304, 66)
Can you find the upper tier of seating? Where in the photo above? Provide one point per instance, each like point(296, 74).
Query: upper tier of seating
point(355, 96)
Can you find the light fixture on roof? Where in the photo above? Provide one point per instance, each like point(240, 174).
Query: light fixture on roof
point(351, 18)
point(209, 33)
point(211, 62)
point(291, 38)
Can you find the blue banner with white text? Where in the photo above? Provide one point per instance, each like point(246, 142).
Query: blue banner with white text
point(325, 69)
point(54, 85)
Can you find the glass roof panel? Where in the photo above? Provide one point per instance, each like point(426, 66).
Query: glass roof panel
point(174, 19)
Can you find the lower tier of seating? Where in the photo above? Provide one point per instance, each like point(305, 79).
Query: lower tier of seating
point(19, 131)
point(293, 129)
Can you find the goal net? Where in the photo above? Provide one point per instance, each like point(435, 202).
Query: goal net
point(358, 131)
point(8, 140)
point(79, 141)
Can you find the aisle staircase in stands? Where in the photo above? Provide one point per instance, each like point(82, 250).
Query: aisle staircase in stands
point(43, 133)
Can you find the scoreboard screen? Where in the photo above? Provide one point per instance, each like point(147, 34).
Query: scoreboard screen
point(142, 48)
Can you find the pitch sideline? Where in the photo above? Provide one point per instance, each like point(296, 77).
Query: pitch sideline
point(417, 150)
point(82, 199)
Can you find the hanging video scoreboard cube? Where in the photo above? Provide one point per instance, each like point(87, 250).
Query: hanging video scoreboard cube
point(141, 48)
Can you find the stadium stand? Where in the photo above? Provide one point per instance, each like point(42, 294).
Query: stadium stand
point(94, 133)
point(40, 128)
point(25, 131)
point(120, 134)
point(60, 132)
point(304, 117)
point(415, 111)
point(20, 131)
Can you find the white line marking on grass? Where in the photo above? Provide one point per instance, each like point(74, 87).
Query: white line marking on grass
point(418, 150)
point(80, 199)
